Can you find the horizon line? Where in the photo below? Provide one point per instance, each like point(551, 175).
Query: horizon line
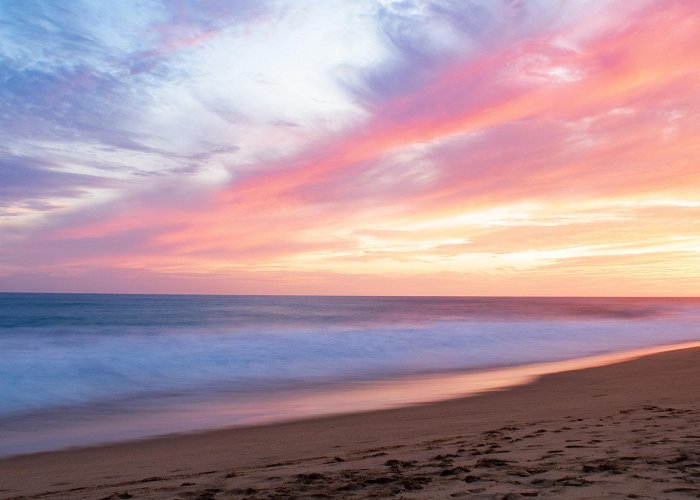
point(5, 292)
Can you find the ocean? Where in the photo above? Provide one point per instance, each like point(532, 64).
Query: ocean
point(81, 369)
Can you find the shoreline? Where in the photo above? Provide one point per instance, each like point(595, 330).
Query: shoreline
point(349, 450)
point(96, 430)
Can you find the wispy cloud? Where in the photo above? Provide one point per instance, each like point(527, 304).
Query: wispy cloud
point(414, 147)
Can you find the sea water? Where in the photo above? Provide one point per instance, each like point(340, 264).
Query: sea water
point(79, 369)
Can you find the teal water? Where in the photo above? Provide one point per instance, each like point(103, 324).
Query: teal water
point(71, 360)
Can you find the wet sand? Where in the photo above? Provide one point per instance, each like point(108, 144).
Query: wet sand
point(630, 429)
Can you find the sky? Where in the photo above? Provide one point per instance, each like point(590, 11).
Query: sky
point(369, 147)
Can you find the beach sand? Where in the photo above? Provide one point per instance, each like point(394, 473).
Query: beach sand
point(626, 430)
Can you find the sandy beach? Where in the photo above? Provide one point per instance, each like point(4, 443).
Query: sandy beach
point(630, 429)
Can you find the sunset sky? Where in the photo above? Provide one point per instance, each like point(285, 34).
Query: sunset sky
point(512, 147)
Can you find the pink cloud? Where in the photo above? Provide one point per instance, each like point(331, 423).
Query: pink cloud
point(612, 118)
